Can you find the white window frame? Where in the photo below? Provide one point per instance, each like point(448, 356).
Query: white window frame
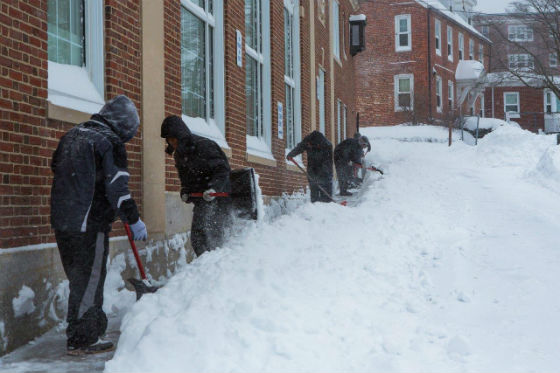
point(336, 29)
point(257, 145)
point(520, 33)
point(344, 122)
point(514, 114)
point(396, 91)
point(439, 96)
point(450, 95)
point(438, 36)
point(485, 30)
point(450, 43)
point(398, 47)
point(213, 129)
point(292, 6)
point(515, 60)
point(82, 88)
point(471, 49)
point(321, 99)
point(481, 53)
point(553, 60)
point(461, 46)
point(338, 120)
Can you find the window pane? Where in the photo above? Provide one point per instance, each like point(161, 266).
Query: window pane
point(252, 20)
point(403, 25)
point(66, 31)
point(403, 40)
point(290, 130)
point(511, 108)
point(193, 65)
point(252, 94)
point(511, 99)
point(211, 69)
point(288, 45)
point(404, 85)
point(404, 100)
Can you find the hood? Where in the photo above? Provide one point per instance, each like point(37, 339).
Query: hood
point(318, 139)
point(121, 114)
point(173, 126)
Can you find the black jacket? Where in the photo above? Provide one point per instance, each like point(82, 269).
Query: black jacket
point(201, 163)
point(90, 183)
point(319, 156)
point(347, 151)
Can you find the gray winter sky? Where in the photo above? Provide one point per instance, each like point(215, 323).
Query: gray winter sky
point(492, 6)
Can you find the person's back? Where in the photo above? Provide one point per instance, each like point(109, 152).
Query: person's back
point(348, 150)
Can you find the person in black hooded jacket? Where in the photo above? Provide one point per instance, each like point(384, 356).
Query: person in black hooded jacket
point(203, 168)
point(319, 164)
point(90, 186)
point(347, 154)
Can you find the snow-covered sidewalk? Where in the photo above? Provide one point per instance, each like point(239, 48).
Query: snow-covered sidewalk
point(448, 263)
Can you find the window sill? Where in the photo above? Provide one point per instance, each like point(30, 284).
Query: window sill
point(292, 168)
point(208, 129)
point(258, 159)
point(66, 114)
point(398, 50)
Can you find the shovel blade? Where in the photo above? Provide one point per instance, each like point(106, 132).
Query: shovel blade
point(142, 287)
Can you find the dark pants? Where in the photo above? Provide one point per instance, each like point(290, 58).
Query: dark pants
point(345, 174)
point(210, 222)
point(84, 258)
point(318, 195)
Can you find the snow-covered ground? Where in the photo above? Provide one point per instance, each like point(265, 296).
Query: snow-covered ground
point(448, 263)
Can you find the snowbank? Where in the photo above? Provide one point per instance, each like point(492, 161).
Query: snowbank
point(486, 123)
point(468, 70)
point(412, 133)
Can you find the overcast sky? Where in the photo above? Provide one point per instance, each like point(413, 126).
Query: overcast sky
point(492, 6)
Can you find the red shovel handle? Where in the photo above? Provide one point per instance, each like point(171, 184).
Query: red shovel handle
point(217, 194)
point(135, 251)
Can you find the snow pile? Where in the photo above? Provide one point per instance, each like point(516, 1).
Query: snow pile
point(547, 170)
point(446, 265)
point(486, 123)
point(3, 338)
point(23, 304)
point(70, 86)
point(116, 297)
point(411, 133)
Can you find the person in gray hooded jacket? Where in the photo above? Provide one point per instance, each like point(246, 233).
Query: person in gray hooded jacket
point(90, 187)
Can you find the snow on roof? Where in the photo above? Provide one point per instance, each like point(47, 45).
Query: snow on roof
point(436, 4)
point(358, 17)
point(469, 70)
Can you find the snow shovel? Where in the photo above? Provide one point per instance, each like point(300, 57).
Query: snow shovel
point(343, 203)
point(140, 286)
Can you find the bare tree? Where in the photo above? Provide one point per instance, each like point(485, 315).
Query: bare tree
point(527, 43)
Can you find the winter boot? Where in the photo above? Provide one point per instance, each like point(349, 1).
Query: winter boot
point(96, 348)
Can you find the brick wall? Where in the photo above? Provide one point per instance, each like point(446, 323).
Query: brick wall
point(379, 63)
point(531, 105)
point(28, 138)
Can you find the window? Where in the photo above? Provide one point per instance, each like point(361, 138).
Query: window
point(344, 119)
point(511, 104)
point(338, 120)
point(550, 102)
point(76, 54)
point(482, 114)
point(402, 33)
point(321, 99)
point(461, 47)
point(520, 61)
point(404, 89)
point(481, 53)
point(257, 78)
point(520, 33)
point(449, 43)
point(553, 60)
point(336, 29)
point(438, 93)
point(485, 31)
point(471, 49)
point(292, 73)
point(450, 95)
point(438, 37)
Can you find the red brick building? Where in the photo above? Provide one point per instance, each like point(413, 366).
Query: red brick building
point(254, 75)
point(407, 73)
point(519, 45)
